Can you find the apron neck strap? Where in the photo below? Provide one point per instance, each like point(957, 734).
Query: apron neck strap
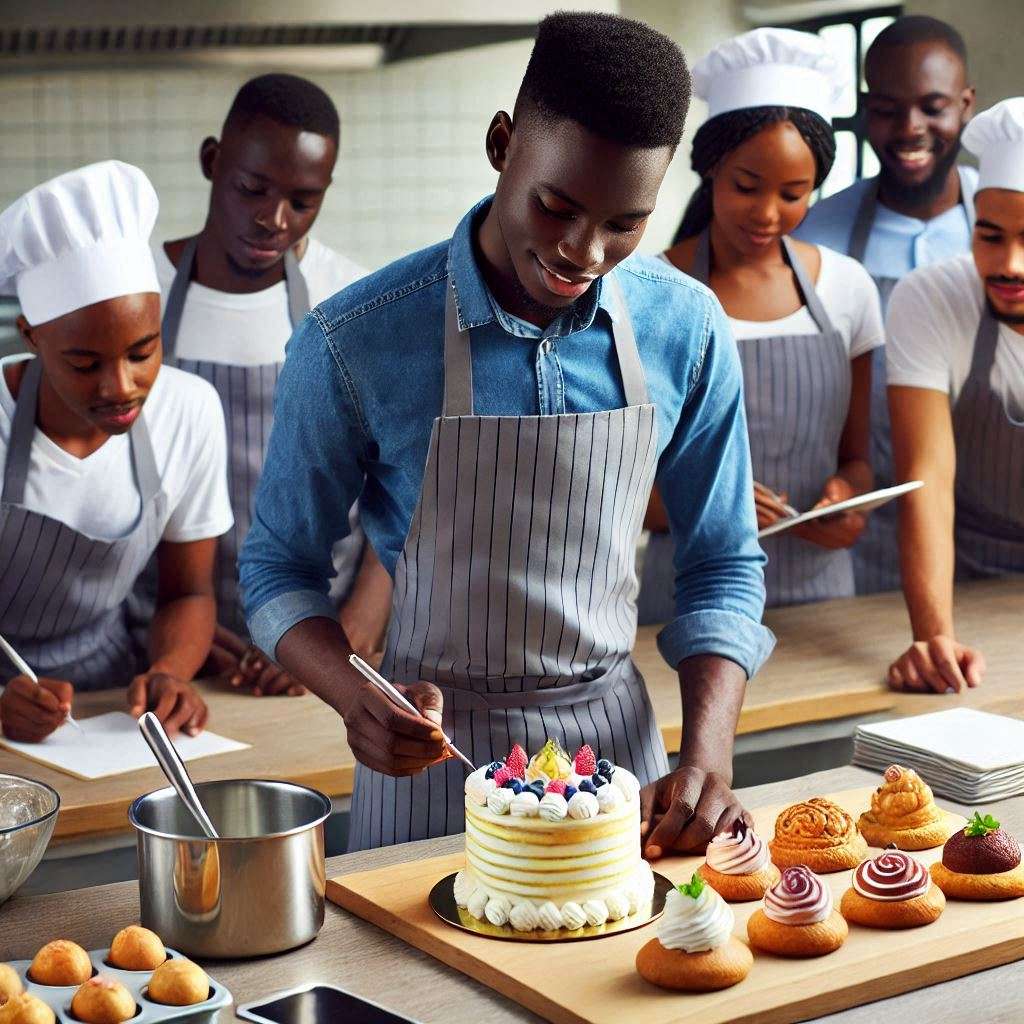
point(295, 286)
point(23, 428)
point(458, 361)
point(985, 342)
point(702, 272)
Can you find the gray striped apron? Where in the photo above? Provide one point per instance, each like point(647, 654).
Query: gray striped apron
point(247, 395)
point(989, 469)
point(62, 592)
point(796, 390)
point(876, 560)
point(515, 590)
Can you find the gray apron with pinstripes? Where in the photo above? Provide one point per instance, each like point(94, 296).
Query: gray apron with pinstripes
point(876, 560)
point(989, 437)
point(247, 395)
point(796, 390)
point(62, 592)
point(515, 591)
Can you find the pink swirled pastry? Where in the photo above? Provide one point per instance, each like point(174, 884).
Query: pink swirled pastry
point(798, 917)
point(892, 890)
point(738, 865)
point(800, 897)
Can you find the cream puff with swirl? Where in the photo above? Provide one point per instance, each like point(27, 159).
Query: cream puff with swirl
point(893, 890)
point(980, 862)
point(695, 950)
point(903, 812)
point(798, 917)
point(818, 834)
point(737, 865)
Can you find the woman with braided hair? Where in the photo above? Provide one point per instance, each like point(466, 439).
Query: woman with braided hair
point(805, 318)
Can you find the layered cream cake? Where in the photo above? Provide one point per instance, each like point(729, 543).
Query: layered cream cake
point(553, 843)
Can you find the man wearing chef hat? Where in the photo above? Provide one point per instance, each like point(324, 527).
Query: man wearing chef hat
point(956, 395)
point(502, 402)
point(917, 211)
point(106, 459)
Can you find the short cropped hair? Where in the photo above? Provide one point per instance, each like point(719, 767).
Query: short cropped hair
point(918, 28)
point(288, 100)
point(617, 78)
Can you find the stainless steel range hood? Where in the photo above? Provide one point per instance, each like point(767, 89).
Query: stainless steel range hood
point(37, 34)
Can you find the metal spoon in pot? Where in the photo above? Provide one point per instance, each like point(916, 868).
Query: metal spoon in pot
point(174, 768)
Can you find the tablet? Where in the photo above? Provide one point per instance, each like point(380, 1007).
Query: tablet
point(318, 1004)
point(862, 503)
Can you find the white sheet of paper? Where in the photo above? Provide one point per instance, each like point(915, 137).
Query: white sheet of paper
point(963, 737)
point(111, 744)
point(862, 503)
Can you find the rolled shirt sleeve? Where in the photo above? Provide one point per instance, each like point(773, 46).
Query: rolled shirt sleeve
point(313, 468)
point(705, 480)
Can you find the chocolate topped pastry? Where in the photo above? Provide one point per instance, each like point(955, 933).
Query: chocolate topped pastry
point(983, 848)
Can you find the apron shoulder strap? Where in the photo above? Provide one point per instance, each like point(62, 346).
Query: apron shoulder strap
point(176, 298)
point(984, 355)
point(458, 360)
point(863, 221)
point(701, 270)
point(634, 380)
point(297, 288)
point(23, 429)
point(147, 476)
point(807, 289)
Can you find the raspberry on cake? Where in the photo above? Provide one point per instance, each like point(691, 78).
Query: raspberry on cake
point(555, 856)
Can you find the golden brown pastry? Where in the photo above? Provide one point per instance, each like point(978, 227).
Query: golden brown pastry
point(798, 918)
point(179, 983)
point(103, 1000)
point(136, 949)
point(903, 813)
point(26, 1009)
point(695, 950)
point(60, 962)
point(737, 865)
point(10, 983)
point(818, 834)
point(893, 890)
point(980, 862)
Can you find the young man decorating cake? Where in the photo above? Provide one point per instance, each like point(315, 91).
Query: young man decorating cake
point(501, 404)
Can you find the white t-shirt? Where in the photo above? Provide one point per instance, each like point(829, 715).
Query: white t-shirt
point(931, 325)
point(250, 329)
point(98, 495)
point(850, 298)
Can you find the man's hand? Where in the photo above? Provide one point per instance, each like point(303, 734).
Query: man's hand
point(939, 665)
point(29, 713)
point(769, 506)
point(237, 662)
point(684, 809)
point(838, 531)
point(175, 702)
point(389, 739)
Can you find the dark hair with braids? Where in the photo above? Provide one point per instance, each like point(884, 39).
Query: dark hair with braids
point(717, 138)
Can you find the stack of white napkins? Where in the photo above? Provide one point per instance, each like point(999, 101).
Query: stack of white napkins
point(967, 755)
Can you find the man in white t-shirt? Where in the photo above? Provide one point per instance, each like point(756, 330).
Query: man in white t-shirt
point(956, 397)
point(232, 296)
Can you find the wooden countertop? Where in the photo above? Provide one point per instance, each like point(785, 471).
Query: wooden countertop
point(829, 664)
point(356, 955)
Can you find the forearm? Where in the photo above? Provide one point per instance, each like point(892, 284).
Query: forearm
point(712, 691)
point(315, 651)
point(180, 635)
point(926, 563)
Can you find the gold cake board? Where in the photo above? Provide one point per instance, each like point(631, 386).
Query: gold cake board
point(596, 982)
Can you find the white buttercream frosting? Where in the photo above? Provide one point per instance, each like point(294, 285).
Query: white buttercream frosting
point(608, 798)
point(626, 783)
point(550, 916)
point(478, 787)
point(583, 805)
point(553, 807)
point(500, 800)
point(462, 887)
point(573, 915)
point(523, 917)
point(524, 805)
point(498, 909)
point(695, 925)
point(596, 911)
point(477, 902)
point(618, 906)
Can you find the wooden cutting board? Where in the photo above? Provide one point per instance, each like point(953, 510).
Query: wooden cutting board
point(596, 981)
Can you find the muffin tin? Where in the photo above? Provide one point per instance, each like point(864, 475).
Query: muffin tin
point(58, 997)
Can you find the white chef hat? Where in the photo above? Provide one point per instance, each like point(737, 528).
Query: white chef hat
point(80, 238)
point(770, 67)
point(996, 138)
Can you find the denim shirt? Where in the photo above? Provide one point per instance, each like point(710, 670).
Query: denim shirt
point(363, 382)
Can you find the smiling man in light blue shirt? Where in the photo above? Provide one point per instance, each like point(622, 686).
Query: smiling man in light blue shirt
point(918, 211)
